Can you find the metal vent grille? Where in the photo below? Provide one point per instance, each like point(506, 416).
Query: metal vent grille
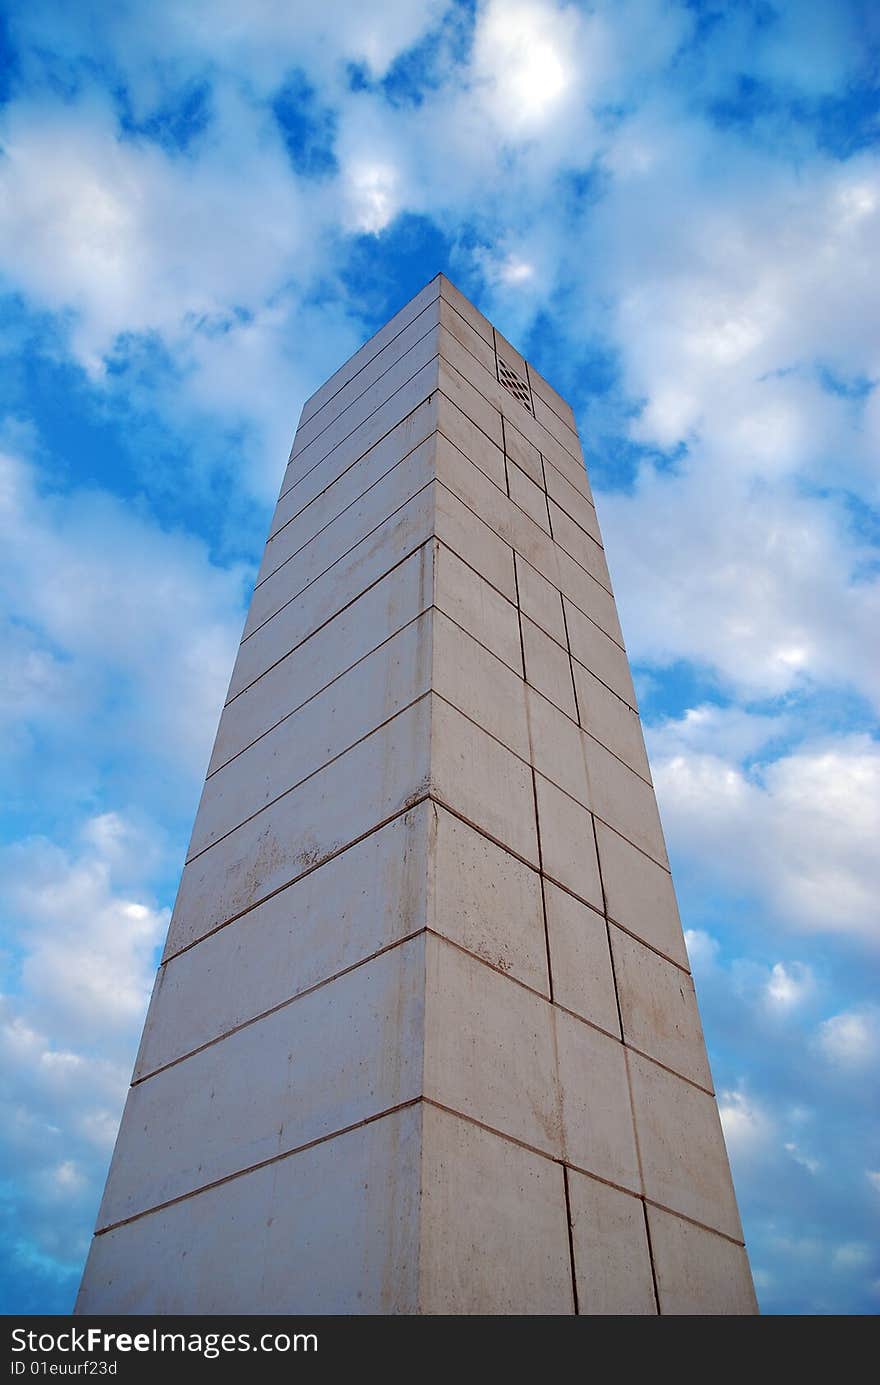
point(515, 384)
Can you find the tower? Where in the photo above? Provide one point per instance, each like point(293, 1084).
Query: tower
point(424, 1037)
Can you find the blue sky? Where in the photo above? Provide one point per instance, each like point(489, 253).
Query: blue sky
point(673, 208)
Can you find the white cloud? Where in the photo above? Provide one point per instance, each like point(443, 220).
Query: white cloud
point(82, 933)
point(260, 45)
point(729, 288)
point(722, 279)
point(805, 1160)
point(127, 241)
point(136, 240)
point(799, 832)
point(372, 195)
point(110, 598)
point(788, 986)
point(513, 271)
point(728, 732)
point(748, 1128)
point(524, 60)
point(852, 1255)
point(775, 992)
point(702, 949)
point(852, 1038)
point(748, 580)
point(88, 950)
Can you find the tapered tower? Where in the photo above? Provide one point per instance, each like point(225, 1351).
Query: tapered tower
point(424, 1036)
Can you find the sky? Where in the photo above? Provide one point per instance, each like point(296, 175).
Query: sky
point(673, 208)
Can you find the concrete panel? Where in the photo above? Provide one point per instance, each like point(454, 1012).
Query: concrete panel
point(372, 618)
point(556, 750)
point(420, 356)
point(367, 696)
point(482, 780)
point(371, 348)
point(466, 309)
point(568, 851)
point(328, 1060)
point(523, 452)
point(477, 607)
point(697, 1271)
point(516, 528)
point(484, 390)
point(417, 425)
point(466, 534)
point(361, 901)
point(585, 549)
point(571, 467)
point(567, 459)
point(611, 1255)
point(553, 453)
point(540, 601)
point(354, 483)
point(589, 594)
point(528, 496)
point(548, 418)
point(363, 436)
point(623, 800)
point(542, 390)
point(639, 894)
point(580, 959)
point(596, 1107)
point(494, 1230)
point(458, 388)
point(467, 335)
point(306, 1234)
point(593, 648)
point(548, 667)
point(610, 720)
point(489, 1048)
point(487, 901)
point(375, 780)
point(508, 521)
point(487, 384)
point(573, 502)
point(659, 1008)
point(479, 684)
point(684, 1160)
point(399, 536)
point(367, 514)
point(411, 335)
point(464, 434)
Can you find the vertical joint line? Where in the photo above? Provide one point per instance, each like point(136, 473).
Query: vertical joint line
point(506, 470)
point(547, 503)
point(577, 707)
point(534, 792)
point(532, 402)
point(543, 888)
point(651, 1253)
point(608, 937)
point(568, 1218)
point(632, 1104)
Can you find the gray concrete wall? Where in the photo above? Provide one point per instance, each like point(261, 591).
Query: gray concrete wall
point(424, 1037)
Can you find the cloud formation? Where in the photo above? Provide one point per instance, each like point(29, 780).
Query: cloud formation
point(81, 932)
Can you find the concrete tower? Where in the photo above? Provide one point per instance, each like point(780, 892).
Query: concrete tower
point(424, 1036)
